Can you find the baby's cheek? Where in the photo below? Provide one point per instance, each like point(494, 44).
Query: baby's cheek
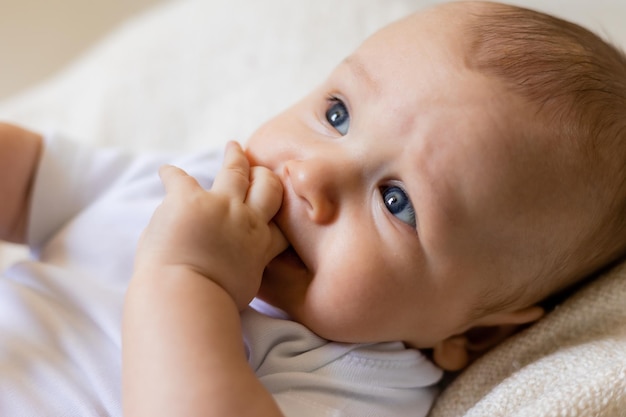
point(345, 303)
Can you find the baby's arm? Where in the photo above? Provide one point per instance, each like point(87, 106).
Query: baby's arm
point(199, 263)
point(19, 155)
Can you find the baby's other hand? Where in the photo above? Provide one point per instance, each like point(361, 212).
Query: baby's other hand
point(225, 234)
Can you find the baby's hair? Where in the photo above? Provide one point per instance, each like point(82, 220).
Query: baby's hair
point(577, 83)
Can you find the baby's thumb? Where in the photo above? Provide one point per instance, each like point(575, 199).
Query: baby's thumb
point(176, 179)
point(278, 243)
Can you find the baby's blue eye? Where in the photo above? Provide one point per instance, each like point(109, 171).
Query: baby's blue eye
point(338, 116)
point(399, 204)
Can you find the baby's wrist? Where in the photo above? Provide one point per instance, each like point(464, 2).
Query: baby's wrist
point(169, 277)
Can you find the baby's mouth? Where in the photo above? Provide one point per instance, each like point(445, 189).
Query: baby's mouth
point(291, 257)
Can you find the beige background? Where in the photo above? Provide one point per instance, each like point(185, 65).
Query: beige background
point(38, 37)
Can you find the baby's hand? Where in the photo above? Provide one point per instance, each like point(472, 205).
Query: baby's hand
point(225, 234)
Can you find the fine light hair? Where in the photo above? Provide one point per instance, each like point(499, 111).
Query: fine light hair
point(577, 83)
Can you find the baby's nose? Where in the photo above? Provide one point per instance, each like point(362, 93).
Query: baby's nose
point(318, 182)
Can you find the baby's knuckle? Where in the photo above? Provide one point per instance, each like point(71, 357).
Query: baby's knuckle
point(239, 172)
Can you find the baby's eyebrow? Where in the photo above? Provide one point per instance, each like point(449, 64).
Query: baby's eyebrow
point(356, 66)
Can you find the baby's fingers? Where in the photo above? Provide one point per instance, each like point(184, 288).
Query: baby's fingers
point(265, 194)
point(278, 243)
point(177, 180)
point(234, 176)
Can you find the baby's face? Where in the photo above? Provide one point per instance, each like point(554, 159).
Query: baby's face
point(405, 191)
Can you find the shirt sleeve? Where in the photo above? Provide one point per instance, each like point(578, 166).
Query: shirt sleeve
point(89, 205)
point(68, 178)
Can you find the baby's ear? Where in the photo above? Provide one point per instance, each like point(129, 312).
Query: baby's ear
point(457, 352)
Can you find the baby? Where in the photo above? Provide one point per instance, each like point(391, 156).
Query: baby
point(460, 167)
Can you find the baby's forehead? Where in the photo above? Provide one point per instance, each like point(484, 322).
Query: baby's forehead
point(442, 30)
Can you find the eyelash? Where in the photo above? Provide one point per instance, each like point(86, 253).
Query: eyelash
point(332, 99)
